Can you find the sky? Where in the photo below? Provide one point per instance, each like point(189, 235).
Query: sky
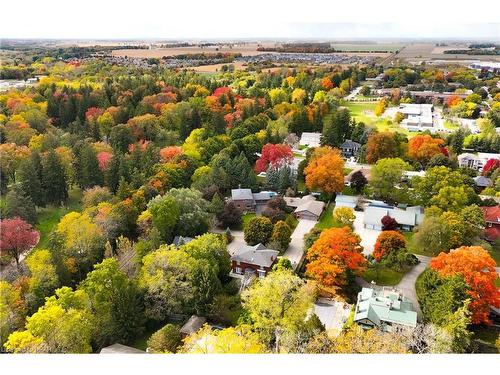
point(233, 19)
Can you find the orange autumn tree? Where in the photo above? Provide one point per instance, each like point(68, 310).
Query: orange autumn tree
point(477, 268)
point(388, 241)
point(423, 147)
point(325, 170)
point(336, 252)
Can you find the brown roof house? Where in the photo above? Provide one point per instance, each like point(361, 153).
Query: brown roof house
point(257, 260)
point(306, 207)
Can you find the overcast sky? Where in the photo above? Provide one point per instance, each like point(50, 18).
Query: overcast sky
point(205, 19)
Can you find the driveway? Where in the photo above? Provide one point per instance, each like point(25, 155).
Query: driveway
point(407, 283)
point(295, 250)
point(368, 236)
point(333, 314)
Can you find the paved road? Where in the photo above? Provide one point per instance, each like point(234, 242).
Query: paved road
point(295, 250)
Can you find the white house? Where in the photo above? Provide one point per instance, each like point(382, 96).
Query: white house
point(310, 139)
point(406, 218)
point(417, 117)
point(475, 161)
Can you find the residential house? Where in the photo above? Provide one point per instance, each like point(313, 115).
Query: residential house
point(306, 207)
point(482, 182)
point(245, 200)
point(384, 309)
point(120, 349)
point(257, 260)
point(192, 325)
point(492, 218)
point(310, 139)
point(292, 140)
point(407, 218)
point(475, 161)
point(350, 148)
point(346, 201)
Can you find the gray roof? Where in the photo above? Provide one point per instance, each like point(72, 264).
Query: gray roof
point(482, 181)
point(350, 144)
point(345, 201)
point(241, 194)
point(314, 207)
point(120, 349)
point(411, 216)
point(193, 324)
point(264, 195)
point(180, 240)
point(258, 255)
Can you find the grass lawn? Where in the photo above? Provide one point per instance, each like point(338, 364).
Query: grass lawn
point(326, 220)
point(347, 171)
point(363, 112)
point(485, 337)
point(301, 185)
point(48, 217)
point(386, 276)
point(292, 221)
point(450, 125)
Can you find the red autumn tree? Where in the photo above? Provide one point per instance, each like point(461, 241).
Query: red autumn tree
point(389, 223)
point(477, 268)
point(17, 236)
point(273, 154)
point(423, 147)
point(104, 157)
point(170, 152)
point(326, 83)
point(388, 241)
point(335, 252)
point(490, 166)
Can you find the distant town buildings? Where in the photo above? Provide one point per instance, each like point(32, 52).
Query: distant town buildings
point(384, 309)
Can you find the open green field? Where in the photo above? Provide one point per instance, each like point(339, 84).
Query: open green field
point(384, 276)
point(48, 217)
point(363, 112)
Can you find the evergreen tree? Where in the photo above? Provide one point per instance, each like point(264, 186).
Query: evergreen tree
point(54, 180)
point(29, 177)
point(87, 167)
point(18, 204)
point(336, 128)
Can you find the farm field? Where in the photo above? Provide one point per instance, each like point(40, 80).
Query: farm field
point(372, 47)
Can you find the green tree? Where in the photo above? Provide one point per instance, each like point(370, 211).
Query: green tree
point(277, 304)
point(29, 177)
point(12, 310)
point(87, 169)
point(281, 236)
point(165, 215)
point(54, 179)
point(43, 279)
point(434, 235)
point(386, 174)
point(115, 303)
point(166, 340)
point(18, 204)
point(258, 230)
point(62, 325)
